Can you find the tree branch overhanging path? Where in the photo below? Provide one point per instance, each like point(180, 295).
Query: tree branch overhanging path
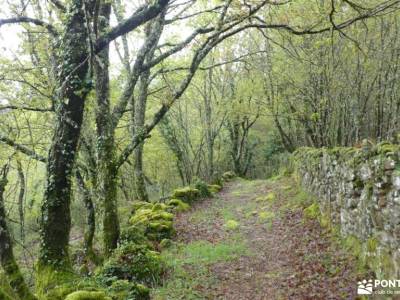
point(66, 83)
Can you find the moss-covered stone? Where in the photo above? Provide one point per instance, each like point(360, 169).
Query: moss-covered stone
point(178, 205)
point(133, 262)
point(124, 289)
point(186, 194)
point(155, 222)
point(87, 295)
point(214, 188)
point(140, 205)
point(228, 175)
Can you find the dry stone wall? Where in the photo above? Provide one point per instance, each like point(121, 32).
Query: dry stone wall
point(359, 191)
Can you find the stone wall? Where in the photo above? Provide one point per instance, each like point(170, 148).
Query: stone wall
point(358, 189)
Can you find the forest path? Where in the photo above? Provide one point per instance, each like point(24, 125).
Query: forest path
point(252, 241)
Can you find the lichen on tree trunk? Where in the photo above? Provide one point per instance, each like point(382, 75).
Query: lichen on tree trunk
point(107, 171)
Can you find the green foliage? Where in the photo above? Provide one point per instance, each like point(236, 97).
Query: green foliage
point(186, 194)
point(166, 243)
point(202, 187)
point(135, 262)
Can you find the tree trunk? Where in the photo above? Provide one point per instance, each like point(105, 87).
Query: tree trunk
point(72, 91)
point(7, 260)
point(139, 119)
point(153, 32)
point(90, 219)
point(107, 172)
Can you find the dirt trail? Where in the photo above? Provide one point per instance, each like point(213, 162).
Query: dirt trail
point(286, 255)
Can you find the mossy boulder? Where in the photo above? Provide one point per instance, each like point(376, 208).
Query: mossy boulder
point(178, 205)
point(124, 289)
point(133, 262)
point(141, 205)
point(214, 188)
point(228, 175)
point(156, 222)
point(186, 194)
point(87, 295)
point(134, 234)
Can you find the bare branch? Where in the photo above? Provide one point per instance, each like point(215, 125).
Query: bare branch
point(18, 20)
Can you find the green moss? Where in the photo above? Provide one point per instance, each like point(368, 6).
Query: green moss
point(385, 148)
point(231, 225)
point(214, 188)
point(186, 194)
point(4, 296)
point(133, 262)
point(53, 284)
point(264, 216)
point(140, 205)
point(178, 205)
point(372, 244)
point(87, 295)
point(353, 245)
point(124, 289)
point(270, 198)
point(228, 175)
point(312, 211)
point(155, 222)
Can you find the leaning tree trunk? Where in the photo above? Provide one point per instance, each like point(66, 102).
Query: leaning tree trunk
point(139, 118)
point(107, 171)
point(153, 33)
point(7, 260)
point(72, 91)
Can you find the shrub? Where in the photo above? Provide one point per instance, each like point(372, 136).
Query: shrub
point(135, 262)
point(186, 194)
point(203, 188)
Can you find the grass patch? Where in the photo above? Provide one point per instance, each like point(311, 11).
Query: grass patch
point(189, 276)
point(231, 225)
